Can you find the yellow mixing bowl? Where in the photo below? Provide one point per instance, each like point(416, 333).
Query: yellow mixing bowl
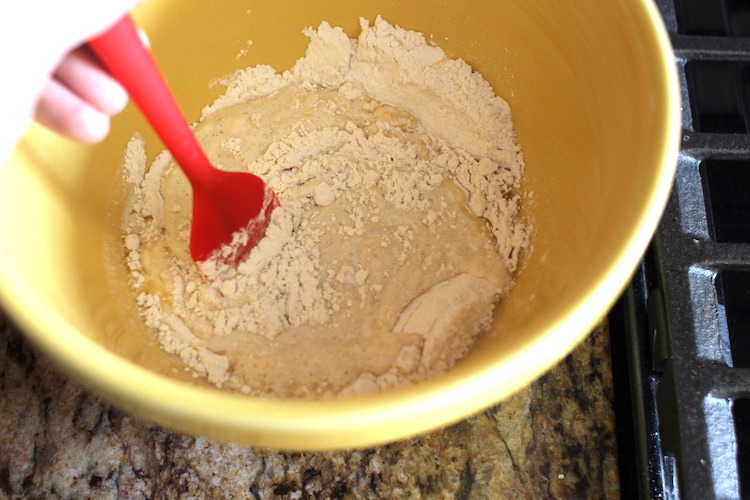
point(595, 102)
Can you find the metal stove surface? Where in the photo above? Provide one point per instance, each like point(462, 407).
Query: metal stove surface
point(681, 331)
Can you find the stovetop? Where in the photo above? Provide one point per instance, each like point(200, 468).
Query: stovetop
point(681, 331)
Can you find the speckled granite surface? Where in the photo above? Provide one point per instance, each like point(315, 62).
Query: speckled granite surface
point(553, 440)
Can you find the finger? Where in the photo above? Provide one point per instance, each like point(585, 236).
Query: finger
point(85, 76)
point(65, 112)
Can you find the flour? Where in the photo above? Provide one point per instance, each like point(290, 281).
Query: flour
point(399, 229)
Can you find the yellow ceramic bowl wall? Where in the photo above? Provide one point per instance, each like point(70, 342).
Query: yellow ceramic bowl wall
point(595, 104)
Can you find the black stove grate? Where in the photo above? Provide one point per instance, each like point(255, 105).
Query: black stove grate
point(681, 331)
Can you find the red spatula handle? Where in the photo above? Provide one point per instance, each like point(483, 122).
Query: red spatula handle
point(120, 49)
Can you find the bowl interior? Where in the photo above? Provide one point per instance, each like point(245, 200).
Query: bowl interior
point(594, 102)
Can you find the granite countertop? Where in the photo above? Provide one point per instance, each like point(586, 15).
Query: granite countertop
point(555, 439)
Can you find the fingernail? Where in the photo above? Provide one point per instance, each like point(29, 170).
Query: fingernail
point(118, 97)
point(94, 125)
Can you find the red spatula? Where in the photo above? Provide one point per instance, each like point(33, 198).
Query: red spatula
point(226, 205)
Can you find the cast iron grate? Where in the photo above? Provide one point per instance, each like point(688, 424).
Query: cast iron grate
point(741, 414)
point(681, 331)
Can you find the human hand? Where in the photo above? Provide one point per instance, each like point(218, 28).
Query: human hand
point(52, 75)
point(79, 98)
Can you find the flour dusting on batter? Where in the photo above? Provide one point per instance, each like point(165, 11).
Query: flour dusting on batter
point(399, 179)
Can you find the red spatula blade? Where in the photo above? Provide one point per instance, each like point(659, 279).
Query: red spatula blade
point(230, 217)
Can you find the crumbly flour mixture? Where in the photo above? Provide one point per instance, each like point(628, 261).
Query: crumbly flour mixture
point(399, 229)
